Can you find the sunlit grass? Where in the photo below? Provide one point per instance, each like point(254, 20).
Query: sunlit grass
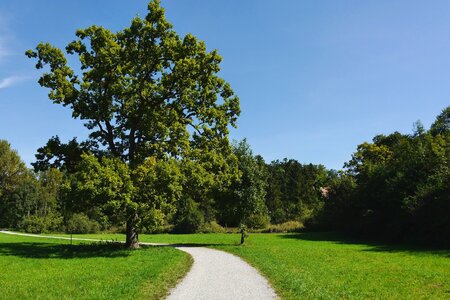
point(327, 266)
point(37, 268)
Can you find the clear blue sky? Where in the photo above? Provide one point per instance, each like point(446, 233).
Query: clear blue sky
point(315, 78)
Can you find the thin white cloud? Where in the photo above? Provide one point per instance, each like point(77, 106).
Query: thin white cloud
point(11, 80)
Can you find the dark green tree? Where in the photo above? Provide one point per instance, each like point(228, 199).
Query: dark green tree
point(12, 172)
point(293, 191)
point(442, 123)
point(243, 202)
point(145, 92)
point(396, 187)
point(62, 156)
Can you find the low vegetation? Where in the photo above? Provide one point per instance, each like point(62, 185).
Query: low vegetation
point(37, 268)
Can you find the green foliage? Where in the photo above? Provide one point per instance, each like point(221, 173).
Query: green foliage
point(257, 221)
point(211, 227)
point(290, 226)
point(28, 201)
point(243, 200)
point(80, 223)
point(189, 218)
point(102, 184)
point(142, 88)
point(62, 156)
point(11, 168)
point(159, 186)
point(143, 92)
point(42, 224)
point(12, 173)
point(109, 186)
point(396, 187)
point(442, 123)
point(293, 190)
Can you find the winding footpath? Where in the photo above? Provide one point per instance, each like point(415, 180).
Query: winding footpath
point(214, 275)
point(219, 275)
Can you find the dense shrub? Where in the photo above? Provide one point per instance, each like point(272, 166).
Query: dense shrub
point(212, 227)
point(158, 229)
point(257, 221)
point(290, 226)
point(38, 224)
point(80, 223)
point(189, 217)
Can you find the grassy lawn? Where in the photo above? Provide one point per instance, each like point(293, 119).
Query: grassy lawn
point(327, 266)
point(36, 268)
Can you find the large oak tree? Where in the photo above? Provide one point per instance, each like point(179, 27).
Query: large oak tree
point(144, 92)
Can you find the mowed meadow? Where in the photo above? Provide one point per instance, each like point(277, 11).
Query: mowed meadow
point(38, 268)
point(316, 265)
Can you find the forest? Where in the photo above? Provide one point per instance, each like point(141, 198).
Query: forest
point(395, 188)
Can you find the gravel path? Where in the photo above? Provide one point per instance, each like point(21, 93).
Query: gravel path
point(214, 275)
point(219, 275)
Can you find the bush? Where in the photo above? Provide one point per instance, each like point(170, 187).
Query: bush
point(158, 229)
point(290, 226)
point(212, 227)
point(38, 224)
point(80, 223)
point(257, 221)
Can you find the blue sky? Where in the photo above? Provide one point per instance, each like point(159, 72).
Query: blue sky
point(315, 78)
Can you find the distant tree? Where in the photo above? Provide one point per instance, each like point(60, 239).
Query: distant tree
point(11, 168)
point(62, 156)
point(244, 202)
point(145, 92)
point(396, 187)
point(50, 183)
point(442, 123)
point(293, 191)
point(28, 201)
point(12, 173)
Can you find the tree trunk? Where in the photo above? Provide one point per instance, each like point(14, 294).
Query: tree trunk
point(132, 234)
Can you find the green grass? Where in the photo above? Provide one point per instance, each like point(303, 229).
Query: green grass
point(328, 266)
point(37, 268)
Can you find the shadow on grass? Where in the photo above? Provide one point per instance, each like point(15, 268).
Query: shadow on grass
point(63, 251)
point(370, 244)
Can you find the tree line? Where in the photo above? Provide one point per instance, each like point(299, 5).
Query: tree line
point(397, 187)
